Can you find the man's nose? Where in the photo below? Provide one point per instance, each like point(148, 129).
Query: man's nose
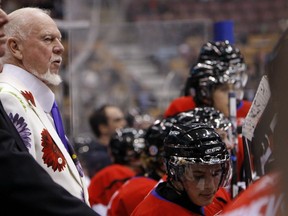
point(58, 48)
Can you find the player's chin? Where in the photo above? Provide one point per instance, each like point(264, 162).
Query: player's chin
point(206, 200)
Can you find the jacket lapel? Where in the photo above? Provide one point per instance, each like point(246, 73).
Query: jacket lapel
point(48, 124)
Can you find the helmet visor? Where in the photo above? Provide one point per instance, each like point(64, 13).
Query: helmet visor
point(202, 174)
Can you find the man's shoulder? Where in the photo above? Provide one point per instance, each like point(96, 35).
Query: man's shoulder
point(114, 171)
point(182, 98)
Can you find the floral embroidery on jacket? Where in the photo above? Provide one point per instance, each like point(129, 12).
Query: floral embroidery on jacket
point(52, 155)
point(23, 130)
point(29, 97)
point(16, 96)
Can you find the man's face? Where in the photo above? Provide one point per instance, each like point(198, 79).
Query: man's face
point(116, 119)
point(201, 182)
point(3, 21)
point(42, 50)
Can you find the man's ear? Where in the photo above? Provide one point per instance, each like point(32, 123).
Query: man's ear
point(15, 47)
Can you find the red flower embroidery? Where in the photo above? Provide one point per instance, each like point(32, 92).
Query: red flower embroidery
point(52, 155)
point(28, 96)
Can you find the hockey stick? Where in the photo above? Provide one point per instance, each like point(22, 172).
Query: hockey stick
point(251, 122)
point(234, 136)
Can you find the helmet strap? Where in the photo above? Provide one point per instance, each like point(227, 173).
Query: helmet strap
point(177, 186)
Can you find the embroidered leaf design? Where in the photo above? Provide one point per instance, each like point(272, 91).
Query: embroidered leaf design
point(29, 97)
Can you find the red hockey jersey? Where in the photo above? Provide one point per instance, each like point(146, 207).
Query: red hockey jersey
point(125, 200)
point(185, 103)
point(106, 182)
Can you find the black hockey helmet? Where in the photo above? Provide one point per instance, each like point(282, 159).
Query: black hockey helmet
point(221, 51)
point(155, 136)
point(218, 63)
point(195, 143)
point(127, 144)
point(213, 118)
point(205, 77)
point(228, 54)
point(209, 115)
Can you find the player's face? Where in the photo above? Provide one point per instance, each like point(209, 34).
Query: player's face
point(220, 98)
point(201, 182)
point(225, 138)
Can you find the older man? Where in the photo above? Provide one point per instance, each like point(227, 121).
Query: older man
point(23, 180)
point(30, 67)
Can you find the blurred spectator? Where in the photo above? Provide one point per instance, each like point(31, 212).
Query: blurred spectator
point(104, 121)
point(94, 152)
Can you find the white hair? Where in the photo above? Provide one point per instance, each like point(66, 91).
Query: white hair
point(19, 25)
point(20, 20)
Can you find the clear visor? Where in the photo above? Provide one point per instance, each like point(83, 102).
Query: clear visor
point(238, 75)
point(203, 175)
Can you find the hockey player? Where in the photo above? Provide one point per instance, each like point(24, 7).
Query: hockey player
point(223, 126)
point(198, 163)
point(125, 147)
point(220, 68)
point(129, 195)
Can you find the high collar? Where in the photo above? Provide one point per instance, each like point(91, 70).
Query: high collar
point(41, 92)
